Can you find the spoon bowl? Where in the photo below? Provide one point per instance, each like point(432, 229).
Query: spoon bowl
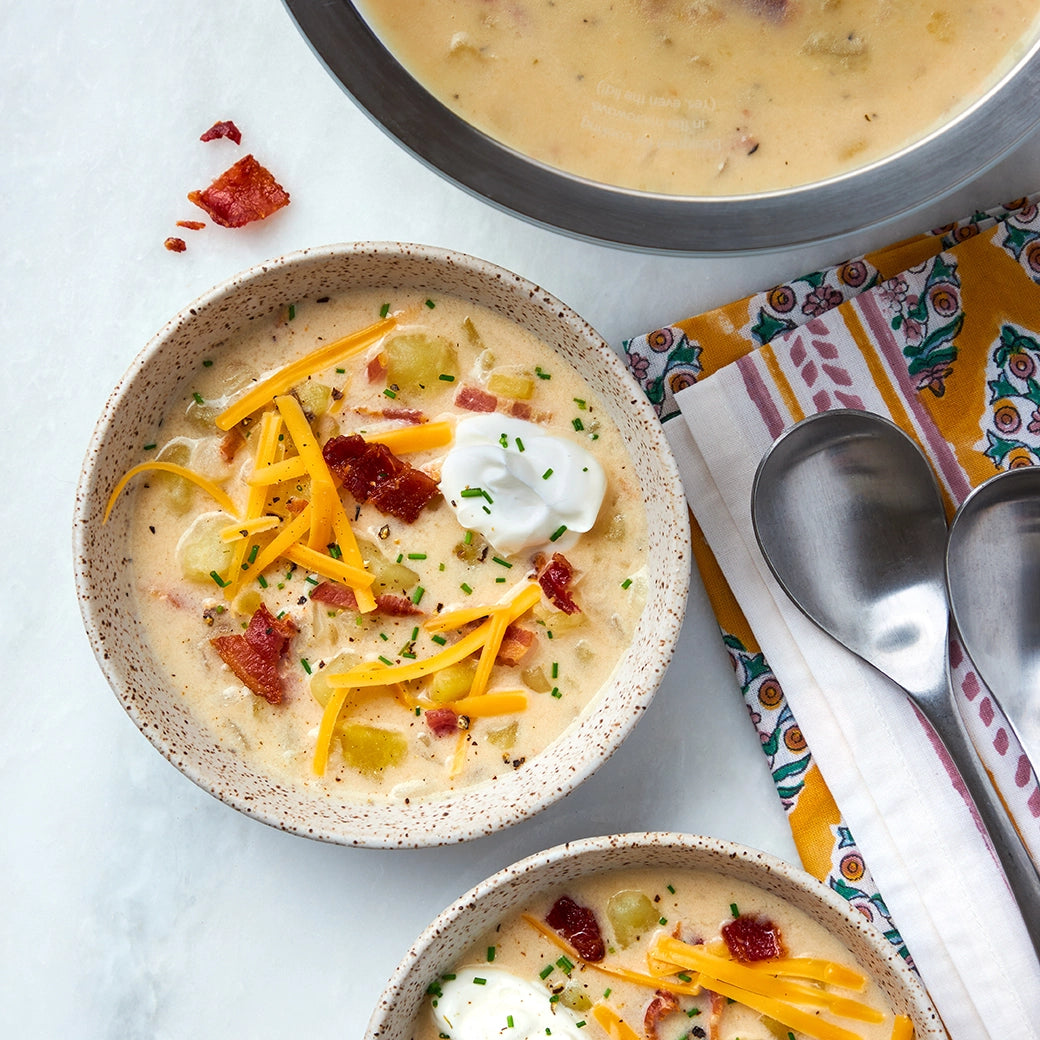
point(850, 520)
point(993, 575)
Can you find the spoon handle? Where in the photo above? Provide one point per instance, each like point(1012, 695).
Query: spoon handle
point(1021, 872)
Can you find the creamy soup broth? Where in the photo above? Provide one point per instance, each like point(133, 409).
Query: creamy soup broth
point(383, 747)
point(694, 905)
point(713, 97)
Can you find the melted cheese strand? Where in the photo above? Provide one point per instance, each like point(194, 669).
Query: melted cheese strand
point(216, 493)
point(287, 377)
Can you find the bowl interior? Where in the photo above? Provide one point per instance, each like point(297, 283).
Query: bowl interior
point(455, 930)
point(105, 584)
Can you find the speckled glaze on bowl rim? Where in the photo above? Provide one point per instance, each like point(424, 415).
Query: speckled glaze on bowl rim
point(103, 571)
point(457, 928)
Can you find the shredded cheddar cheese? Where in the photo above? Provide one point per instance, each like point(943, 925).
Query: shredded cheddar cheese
point(290, 375)
point(213, 490)
point(419, 437)
point(613, 1024)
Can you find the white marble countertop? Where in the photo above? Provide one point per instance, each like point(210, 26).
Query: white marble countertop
point(135, 905)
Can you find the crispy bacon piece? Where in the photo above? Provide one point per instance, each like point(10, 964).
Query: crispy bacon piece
point(192, 225)
point(578, 925)
point(663, 1004)
point(241, 194)
point(372, 472)
point(515, 644)
point(175, 245)
point(555, 578)
point(230, 443)
point(442, 721)
point(520, 410)
point(342, 596)
point(223, 128)
point(254, 656)
point(473, 399)
point(376, 369)
point(752, 938)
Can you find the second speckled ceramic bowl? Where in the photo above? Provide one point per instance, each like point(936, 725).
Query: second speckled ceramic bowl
point(508, 892)
point(105, 580)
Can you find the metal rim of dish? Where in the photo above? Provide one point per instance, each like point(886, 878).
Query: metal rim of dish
point(920, 173)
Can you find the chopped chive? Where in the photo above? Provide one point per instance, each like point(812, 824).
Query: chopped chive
point(473, 492)
point(417, 556)
point(400, 558)
point(306, 665)
point(253, 553)
point(262, 582)
point(219, 580)
point(577, 424)
point(556, 669)
point(504, 441)
point(733, 910)
point(415, 632)
point(446, 377)
point(547, 474)
point(486, 510)
point(389, 393)
point(439, 640)
point(558, 532)
point(693, 1012)
point(606, 993)
point(440, 566)
point(662, 920)
point(519, 444)
point(556, 693)
point(430, 304)
point(509, 1021)
point(418, 595)
point(540, 374)
point(384, 637)
point(408, 654)
point(580, 403)
point(150, 447)
point(671, 889)
point(311, 579)
point(546, 972)
point(467, 538)
point(292, 311)
point(466, 588)
point(386, 661)
point(335, 551)
point(625, 584)
point(478, 981)
point(208, 363)
point(683, 977)
point(341, 371)
point(384, 310)
point(500, 581)
point(491, 953)
point(199, 399)
point(418, 711)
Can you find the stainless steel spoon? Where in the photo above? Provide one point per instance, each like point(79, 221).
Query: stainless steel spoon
point(849, 518)
point(993, 577)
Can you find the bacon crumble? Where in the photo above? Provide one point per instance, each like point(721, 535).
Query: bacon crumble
point(241, 194)
point(555, 578)
point(223, 128)
point(254, 657)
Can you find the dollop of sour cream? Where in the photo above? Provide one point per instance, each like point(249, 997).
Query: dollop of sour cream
point(519, 486)
point(502, 1005)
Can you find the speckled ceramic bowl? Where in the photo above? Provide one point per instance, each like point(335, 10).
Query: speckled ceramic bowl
point(455, 930)
point(105, 582)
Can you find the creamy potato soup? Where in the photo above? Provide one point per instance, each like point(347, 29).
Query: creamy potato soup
point(658, 955)
point(705, 97)
point(392, 546)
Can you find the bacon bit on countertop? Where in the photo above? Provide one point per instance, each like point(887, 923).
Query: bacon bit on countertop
point(578, 925)
point(663, 1004)
point(192, 225)
point(372, 472)
point(554, 578)
point(224, 128)
point(243, 193)
point(254, 656)
point(473, 399)
point(175, 245)
point(750, 938)
point(515, 644)
point(442, 721)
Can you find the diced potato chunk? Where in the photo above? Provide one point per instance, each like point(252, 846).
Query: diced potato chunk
point(454, 682)
point(504, 737)
point(505, 383)
point(415, 361)
point(371, 749)
point(201, 552)
point(321, 691)
point(314, 397)
point(631, 914)
point(535, 679)
point(178, 491)
point(389, 575)
point(575, 997)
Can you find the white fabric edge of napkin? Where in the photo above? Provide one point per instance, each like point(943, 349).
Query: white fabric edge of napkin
point(940, 882)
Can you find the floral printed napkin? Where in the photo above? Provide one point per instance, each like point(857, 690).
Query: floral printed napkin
point(941, 334)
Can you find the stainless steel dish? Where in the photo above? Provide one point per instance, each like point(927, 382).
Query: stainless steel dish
point(920, 173)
